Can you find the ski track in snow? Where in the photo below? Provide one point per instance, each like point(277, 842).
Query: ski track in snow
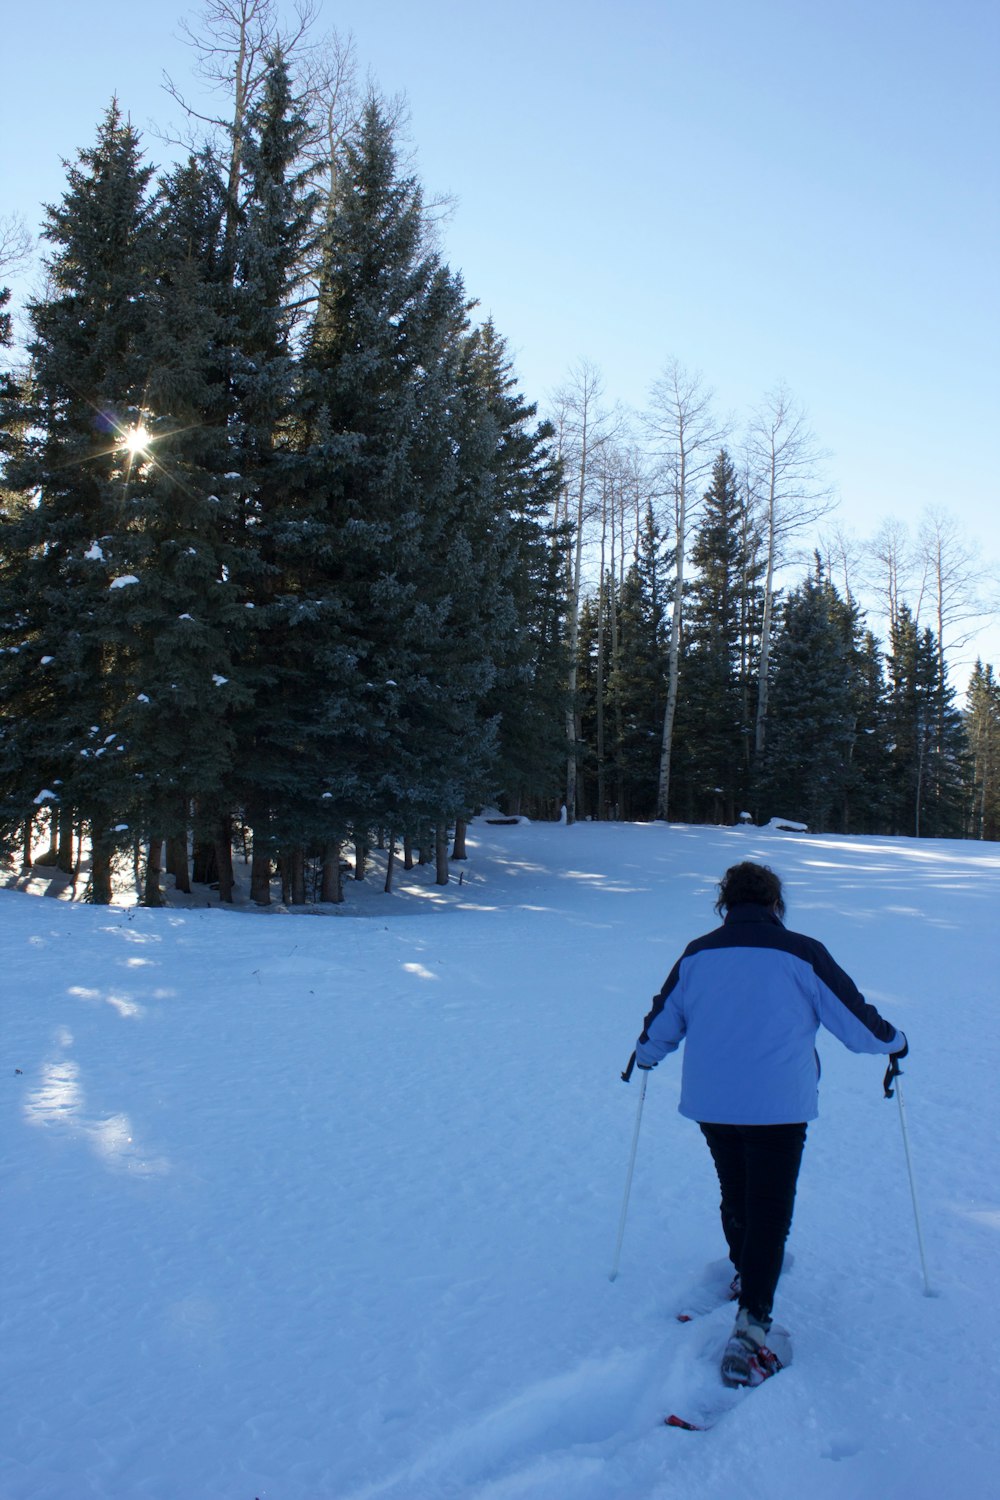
point(323, 1209)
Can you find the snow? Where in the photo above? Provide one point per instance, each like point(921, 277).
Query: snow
point(94, 553)
point(219, 680)
point(126, 580)
point(322, 1206)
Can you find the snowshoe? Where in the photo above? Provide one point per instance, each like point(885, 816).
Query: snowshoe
point(754, 1353)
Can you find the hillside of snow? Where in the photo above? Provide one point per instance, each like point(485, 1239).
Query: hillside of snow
point(322, 1206)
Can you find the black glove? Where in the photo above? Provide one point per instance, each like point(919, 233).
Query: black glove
point(894, 1070)
point(632, 1063)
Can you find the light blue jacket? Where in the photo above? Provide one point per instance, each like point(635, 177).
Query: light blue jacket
point(747, 1001)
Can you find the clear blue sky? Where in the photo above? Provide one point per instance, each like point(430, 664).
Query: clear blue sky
point(766, 189)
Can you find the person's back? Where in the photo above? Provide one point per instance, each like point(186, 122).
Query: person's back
point(747, 1000)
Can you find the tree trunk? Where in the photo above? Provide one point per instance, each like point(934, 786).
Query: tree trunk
point(390, 864)
point(360, 858)
point(407, 852)
point(100, 871)
point(458, 848)
point(66, 860)
point(260, 853)
point(691, 432)
point(51, 854)
point(205, 863)
point(760, 730)
point(26, 845)
point(572, 732)
point(224, 860)
point(601, 608)
point(151, 894)
point(297, 874)
point(332, 889)
point(260, 877)
point(441, 854)
point(667, 741)
point(177, 863)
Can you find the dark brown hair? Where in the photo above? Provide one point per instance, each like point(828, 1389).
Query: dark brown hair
point(747, 882)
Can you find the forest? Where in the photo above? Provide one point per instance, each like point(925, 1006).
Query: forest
point(289, 563)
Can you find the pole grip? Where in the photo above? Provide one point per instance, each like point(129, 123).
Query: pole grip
point(894, 1071)
point(628, 1070)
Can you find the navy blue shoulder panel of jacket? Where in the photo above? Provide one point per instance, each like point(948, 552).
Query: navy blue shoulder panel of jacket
point(747, 1001)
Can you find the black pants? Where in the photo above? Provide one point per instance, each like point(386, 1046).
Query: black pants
point(758, 1167)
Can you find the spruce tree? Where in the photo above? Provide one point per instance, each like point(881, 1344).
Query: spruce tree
point(927, 744)
point(272, 568)
point(189, 623)
point(522, 547)
point(637, 681)
point(404, 484)
point(812, 718)
point(68, 557)
point(866, 790)
point(982, 724)
point(725, 603)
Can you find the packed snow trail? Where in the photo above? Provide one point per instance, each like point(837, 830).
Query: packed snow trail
point(318, 1207)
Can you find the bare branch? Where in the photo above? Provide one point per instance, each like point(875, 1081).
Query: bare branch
point(15, 243)
point(957, 577)
point(844, 553)
point(232, 41)
point(784, 467)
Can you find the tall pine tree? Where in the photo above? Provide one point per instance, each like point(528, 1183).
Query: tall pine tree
point(69, 554)
point(713, 732)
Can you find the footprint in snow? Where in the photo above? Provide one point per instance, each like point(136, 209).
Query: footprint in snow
point(600, 1402)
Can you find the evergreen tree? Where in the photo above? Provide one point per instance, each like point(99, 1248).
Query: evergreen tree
point(274, 569)
point(189, 625)
point(637, 680)
point(713, 731)
point(812, 709)
point(67, 571)
point(866, 788)
point(528, 696)
point(925, 731)
point(982, 723)
point(408, 508)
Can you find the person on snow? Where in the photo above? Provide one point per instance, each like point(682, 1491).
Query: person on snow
point(747, 1001)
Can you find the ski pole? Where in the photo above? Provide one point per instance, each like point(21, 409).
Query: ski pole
point(893, 1075)
point(631, 1165)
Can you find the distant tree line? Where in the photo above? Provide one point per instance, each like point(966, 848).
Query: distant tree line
point(856, 738)
point(287, 560)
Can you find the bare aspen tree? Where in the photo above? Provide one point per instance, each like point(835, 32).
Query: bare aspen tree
point(581, 429)
point(785, 460)
point(888, 569)
point(843, 553)
point(15, 243)
point(232, 41)
point(685, 435)
point(333, 105)
point(614, 466)
point(955, 580)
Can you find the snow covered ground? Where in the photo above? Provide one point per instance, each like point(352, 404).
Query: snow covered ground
point(322, 1207)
